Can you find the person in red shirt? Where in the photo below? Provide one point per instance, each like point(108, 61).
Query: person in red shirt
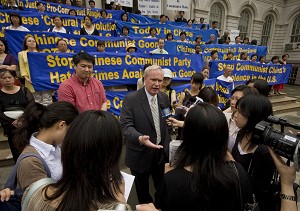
point(81, 89)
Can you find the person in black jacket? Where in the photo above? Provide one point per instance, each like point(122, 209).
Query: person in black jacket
point(88, 29)
point(181, 18)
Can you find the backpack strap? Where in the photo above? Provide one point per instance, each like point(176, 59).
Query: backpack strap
point(35, 186)
point(12, 178)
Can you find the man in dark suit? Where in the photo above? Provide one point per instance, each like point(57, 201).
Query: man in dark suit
point(146, 132)
point(181, 18)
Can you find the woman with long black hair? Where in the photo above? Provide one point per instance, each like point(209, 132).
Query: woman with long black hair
point(202, 178)
point(253, 156)
point(91, 177)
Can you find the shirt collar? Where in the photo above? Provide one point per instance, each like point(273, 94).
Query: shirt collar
point(41, 146)
point(76, 78)
point(149, 97)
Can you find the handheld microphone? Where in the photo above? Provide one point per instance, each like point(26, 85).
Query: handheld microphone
point(165, 111)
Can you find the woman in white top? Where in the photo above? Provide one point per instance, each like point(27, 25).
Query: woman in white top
point(153, 33)
point(58, 25)
point(42, 132)
point(16, 22)
point(190, 23)
point(182, 37)
point(237, 93)
point(89, 28)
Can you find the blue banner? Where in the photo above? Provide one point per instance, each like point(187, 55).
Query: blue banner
point(235, 49)
point(223, 90)
point(76, 43)
point(111, 68)
point(30, 5)
point(47, 43)
point(143, 30)
point(135, 18)
point(246, 70)
point(115, 102)
point(38, 22)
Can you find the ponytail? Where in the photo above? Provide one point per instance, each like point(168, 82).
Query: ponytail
point(37, 116)
point(30, 123)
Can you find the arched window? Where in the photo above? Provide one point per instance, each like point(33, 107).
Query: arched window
point(244, 24)
point(266, 31)
point(295, 37)
point(216, 14)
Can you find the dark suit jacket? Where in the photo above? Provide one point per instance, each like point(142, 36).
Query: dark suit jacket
point(136, 120)
point(180, 20)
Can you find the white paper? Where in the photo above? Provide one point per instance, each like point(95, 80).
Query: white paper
point(128, 179)
point(127, 3)
point(179, 5)
point(150, 7)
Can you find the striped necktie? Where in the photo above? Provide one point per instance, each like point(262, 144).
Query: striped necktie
point(155, 115)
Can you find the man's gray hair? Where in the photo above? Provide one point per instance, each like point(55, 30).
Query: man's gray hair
point(150, 68)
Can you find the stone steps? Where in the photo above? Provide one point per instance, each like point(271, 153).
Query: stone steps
point(4, 151)
point(284, 100)
point(284, 104)
point(279, 109)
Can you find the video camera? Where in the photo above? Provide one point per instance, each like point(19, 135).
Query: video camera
point(284, 144)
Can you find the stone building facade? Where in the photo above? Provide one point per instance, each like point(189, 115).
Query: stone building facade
point(275, 23)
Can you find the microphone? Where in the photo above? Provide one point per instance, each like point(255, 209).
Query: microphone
point(165, 111)
point(283, 121)
point(273, 119)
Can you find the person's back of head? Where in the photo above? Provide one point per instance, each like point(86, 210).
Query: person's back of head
point(254, 42)
point(204, 146)
point(261, 86)
point(37, 117)
point(90, 157)
point(209, 95)
point(198, 78)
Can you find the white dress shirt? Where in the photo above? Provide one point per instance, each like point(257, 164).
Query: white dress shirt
point(149, 97)
point(61, 30)
point(159, 51)
point(51, 155)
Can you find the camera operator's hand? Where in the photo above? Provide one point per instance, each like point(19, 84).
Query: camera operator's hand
point(287, 178)
point(287, 173)
point(5, 194)
point(145, 140)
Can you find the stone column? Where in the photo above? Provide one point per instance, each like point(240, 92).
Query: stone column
point(232, 22)
point(256, 30)
point(201, 13)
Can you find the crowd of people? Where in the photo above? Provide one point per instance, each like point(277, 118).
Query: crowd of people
point(220, 164)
